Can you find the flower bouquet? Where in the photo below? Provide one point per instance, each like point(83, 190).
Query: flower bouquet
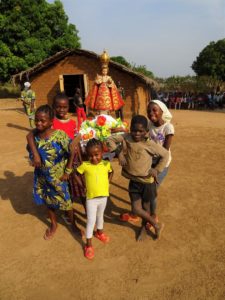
point(101, 128)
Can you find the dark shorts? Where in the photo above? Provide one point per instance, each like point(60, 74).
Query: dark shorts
point(144, 191)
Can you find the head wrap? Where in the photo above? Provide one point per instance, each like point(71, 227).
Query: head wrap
point(166, 116)
point(27, 84)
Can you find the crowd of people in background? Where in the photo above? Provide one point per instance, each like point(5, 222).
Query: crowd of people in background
point(183, 100)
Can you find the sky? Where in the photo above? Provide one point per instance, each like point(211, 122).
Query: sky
point(164, 35)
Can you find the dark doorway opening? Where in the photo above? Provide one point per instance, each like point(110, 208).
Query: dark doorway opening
point(71, 82)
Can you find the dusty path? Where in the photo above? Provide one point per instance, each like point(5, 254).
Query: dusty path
point(187, 263)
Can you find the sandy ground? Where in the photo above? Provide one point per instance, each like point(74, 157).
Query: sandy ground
point(187, 263)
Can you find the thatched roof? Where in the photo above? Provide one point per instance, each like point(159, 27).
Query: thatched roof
point(67, 52)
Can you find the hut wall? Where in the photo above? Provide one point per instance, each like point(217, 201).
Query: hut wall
point(46, 82)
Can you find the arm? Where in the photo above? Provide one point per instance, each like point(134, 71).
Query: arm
point(168, 141)
point(111, 175)
point(112, 142)
point(75, 101)
point(78, 179)
point(69, 165)
point(162, 153)
point(32, 101)
point(79, 171)
point(30, 140)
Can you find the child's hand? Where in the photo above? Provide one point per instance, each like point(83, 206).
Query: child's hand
point(37, 161)
point(122, 159)
point(73, 149)
point(65, 177)
point(154, 173)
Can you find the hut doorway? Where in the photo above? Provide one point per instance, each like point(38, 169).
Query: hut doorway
point(68, 84)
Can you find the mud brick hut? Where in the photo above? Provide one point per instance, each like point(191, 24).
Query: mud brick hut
point(69, 69)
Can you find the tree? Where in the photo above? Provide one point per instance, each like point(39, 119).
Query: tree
point(139, 69)
point(30, 32)
point(143, 70)
point(211, 61)
point(121, 60)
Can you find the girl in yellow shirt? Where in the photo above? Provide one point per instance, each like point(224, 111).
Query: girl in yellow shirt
point(98, 173)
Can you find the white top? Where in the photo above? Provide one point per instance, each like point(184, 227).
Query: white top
point(158, 135)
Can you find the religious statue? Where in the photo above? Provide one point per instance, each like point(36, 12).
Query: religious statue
point(104, 95)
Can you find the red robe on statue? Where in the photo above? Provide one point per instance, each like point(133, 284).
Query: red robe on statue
point(104, 95)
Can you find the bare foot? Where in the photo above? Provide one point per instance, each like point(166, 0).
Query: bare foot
point(142, 234)
point(49, 233)
point(158, 230)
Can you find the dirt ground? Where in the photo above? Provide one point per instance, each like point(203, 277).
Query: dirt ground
point(187, 263)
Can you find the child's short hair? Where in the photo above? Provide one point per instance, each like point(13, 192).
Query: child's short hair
point(45, 109)
point(93, 143)
point(58, 97)
point(139, 119)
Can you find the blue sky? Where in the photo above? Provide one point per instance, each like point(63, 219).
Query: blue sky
point(164, 35)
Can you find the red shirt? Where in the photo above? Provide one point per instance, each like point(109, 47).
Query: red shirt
point(68, 126)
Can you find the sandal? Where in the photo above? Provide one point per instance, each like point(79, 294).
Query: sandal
point(89, 252)
point(128, 217)
point(148, 226)
point(102, 237)
point(66, 220)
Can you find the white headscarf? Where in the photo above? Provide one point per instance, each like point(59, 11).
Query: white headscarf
point(27, 84)
point(166, 113)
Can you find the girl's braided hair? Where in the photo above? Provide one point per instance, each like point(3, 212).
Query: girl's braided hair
point(47, 110)
point(93, 143)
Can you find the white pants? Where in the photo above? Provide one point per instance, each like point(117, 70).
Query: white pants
point(95, 214)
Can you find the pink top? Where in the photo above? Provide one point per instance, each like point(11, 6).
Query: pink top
point(68, 126)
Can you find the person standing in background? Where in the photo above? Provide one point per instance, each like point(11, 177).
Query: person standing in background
point(79, 105)
point(28, 99)
point(119, 112)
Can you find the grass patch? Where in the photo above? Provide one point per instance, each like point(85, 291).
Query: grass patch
point(7, 90)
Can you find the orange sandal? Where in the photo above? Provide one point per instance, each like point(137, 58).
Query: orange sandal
point(128, 217)
point(89, 252)
point(102, 237)
point(148, 226)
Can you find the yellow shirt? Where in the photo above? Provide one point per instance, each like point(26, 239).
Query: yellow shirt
point(96, 178)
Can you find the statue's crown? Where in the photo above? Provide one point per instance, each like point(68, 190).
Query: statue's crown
point(104, 58)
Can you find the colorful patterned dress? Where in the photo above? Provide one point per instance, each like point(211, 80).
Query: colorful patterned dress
point(48, 189)
point(28, 99)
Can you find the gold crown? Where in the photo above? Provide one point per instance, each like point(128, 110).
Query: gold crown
point(104, 58)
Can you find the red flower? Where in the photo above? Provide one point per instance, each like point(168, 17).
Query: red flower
point(101, 121)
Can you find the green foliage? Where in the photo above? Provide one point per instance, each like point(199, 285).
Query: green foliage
point(121, 60)
point(194, 84)
point(7, 90)
point(211, 61)
point(32, 31)
point(142, 69)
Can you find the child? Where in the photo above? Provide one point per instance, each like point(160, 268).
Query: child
point(78, 102)
point(98, 173)
point(161, 131)
point(62, 122)
point(136, 166)
point(56, 165)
